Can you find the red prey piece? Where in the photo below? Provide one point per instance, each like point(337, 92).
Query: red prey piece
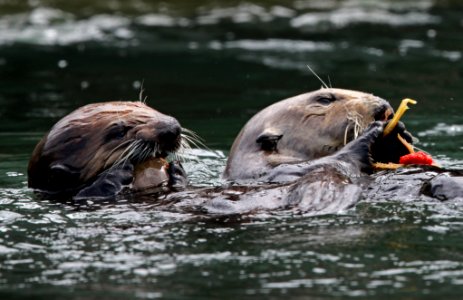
point(417, 158)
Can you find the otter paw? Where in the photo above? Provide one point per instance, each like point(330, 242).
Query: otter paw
point(444, 187)
point(389, 148)
point(177, 176)
point(107, 185)
point(359, 151)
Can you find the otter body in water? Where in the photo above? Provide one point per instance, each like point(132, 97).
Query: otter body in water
point(310, 153)
point(100, 148)
point(313, 153)
point(320, 186)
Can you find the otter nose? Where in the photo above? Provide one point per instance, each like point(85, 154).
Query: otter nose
point(168, 136)
point(168, 133)
point(383, 112)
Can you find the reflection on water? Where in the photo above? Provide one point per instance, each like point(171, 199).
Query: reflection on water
point(213, 65)
point(133, 245)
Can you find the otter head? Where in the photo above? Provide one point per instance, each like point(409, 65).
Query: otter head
point(302, 128)
point(98, 137)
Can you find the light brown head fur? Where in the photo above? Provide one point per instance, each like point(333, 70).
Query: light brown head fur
point(302, 128)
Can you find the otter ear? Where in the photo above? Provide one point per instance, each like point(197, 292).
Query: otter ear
point(268, 142)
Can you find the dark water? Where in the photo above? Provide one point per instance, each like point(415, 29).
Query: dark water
point(213, 64)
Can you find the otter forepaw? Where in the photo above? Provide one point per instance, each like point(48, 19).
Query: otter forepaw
point(373, 131)
point(177, 176)
point(359, 150)
point(389, 148)
point(444, 187)
point(108, 184)
point(400, 129)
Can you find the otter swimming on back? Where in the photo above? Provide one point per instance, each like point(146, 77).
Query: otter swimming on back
point(322, 144)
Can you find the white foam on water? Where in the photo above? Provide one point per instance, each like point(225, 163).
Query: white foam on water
point(158, 20)
point(46, 26)
point(279, 45)
point(385, 4)
point(343, 17)
point(443, 129)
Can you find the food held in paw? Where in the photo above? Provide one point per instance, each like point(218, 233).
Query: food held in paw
point(417, 158)
point(150, 173)
point(400, 111)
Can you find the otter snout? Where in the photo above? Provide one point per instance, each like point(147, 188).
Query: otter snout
point(165, 133)
point(168, 136)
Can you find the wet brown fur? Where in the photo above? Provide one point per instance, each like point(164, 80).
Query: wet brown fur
point(78, 147)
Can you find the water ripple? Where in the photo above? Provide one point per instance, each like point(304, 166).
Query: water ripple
point(443, 129)
point(346, 16)
point(45, 26)
point(52, 26)
point(277, 45)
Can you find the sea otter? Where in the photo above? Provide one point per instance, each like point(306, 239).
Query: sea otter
point(304, 128)
point(100, 148)
point(313, 154)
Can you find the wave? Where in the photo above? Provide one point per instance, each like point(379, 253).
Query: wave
point(443, 129)
point(52, 26)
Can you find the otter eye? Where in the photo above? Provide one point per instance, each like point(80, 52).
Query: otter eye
point(117, 131)
point(268, 142)
point(325, 99)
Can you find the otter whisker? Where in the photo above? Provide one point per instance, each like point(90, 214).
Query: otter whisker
point(191, 132)
point(194, 141)
point(123, 157)
point(190, 141)
point(142, 98)
point(184, 145)
point(123, 144)
point(136, 154)
point(145, 152)
point(357, 130)
point(345, 134)
point(126, 154)
point(129, 153)
point(138, 151)
point(355, 119)
point(148, 152)
point(324, 85)
point(193, 137)
point(181, 153)
point(154, 149)
point(177, 157)
point(183, 148)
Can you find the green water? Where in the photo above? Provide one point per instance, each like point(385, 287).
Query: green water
point(212, 65)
